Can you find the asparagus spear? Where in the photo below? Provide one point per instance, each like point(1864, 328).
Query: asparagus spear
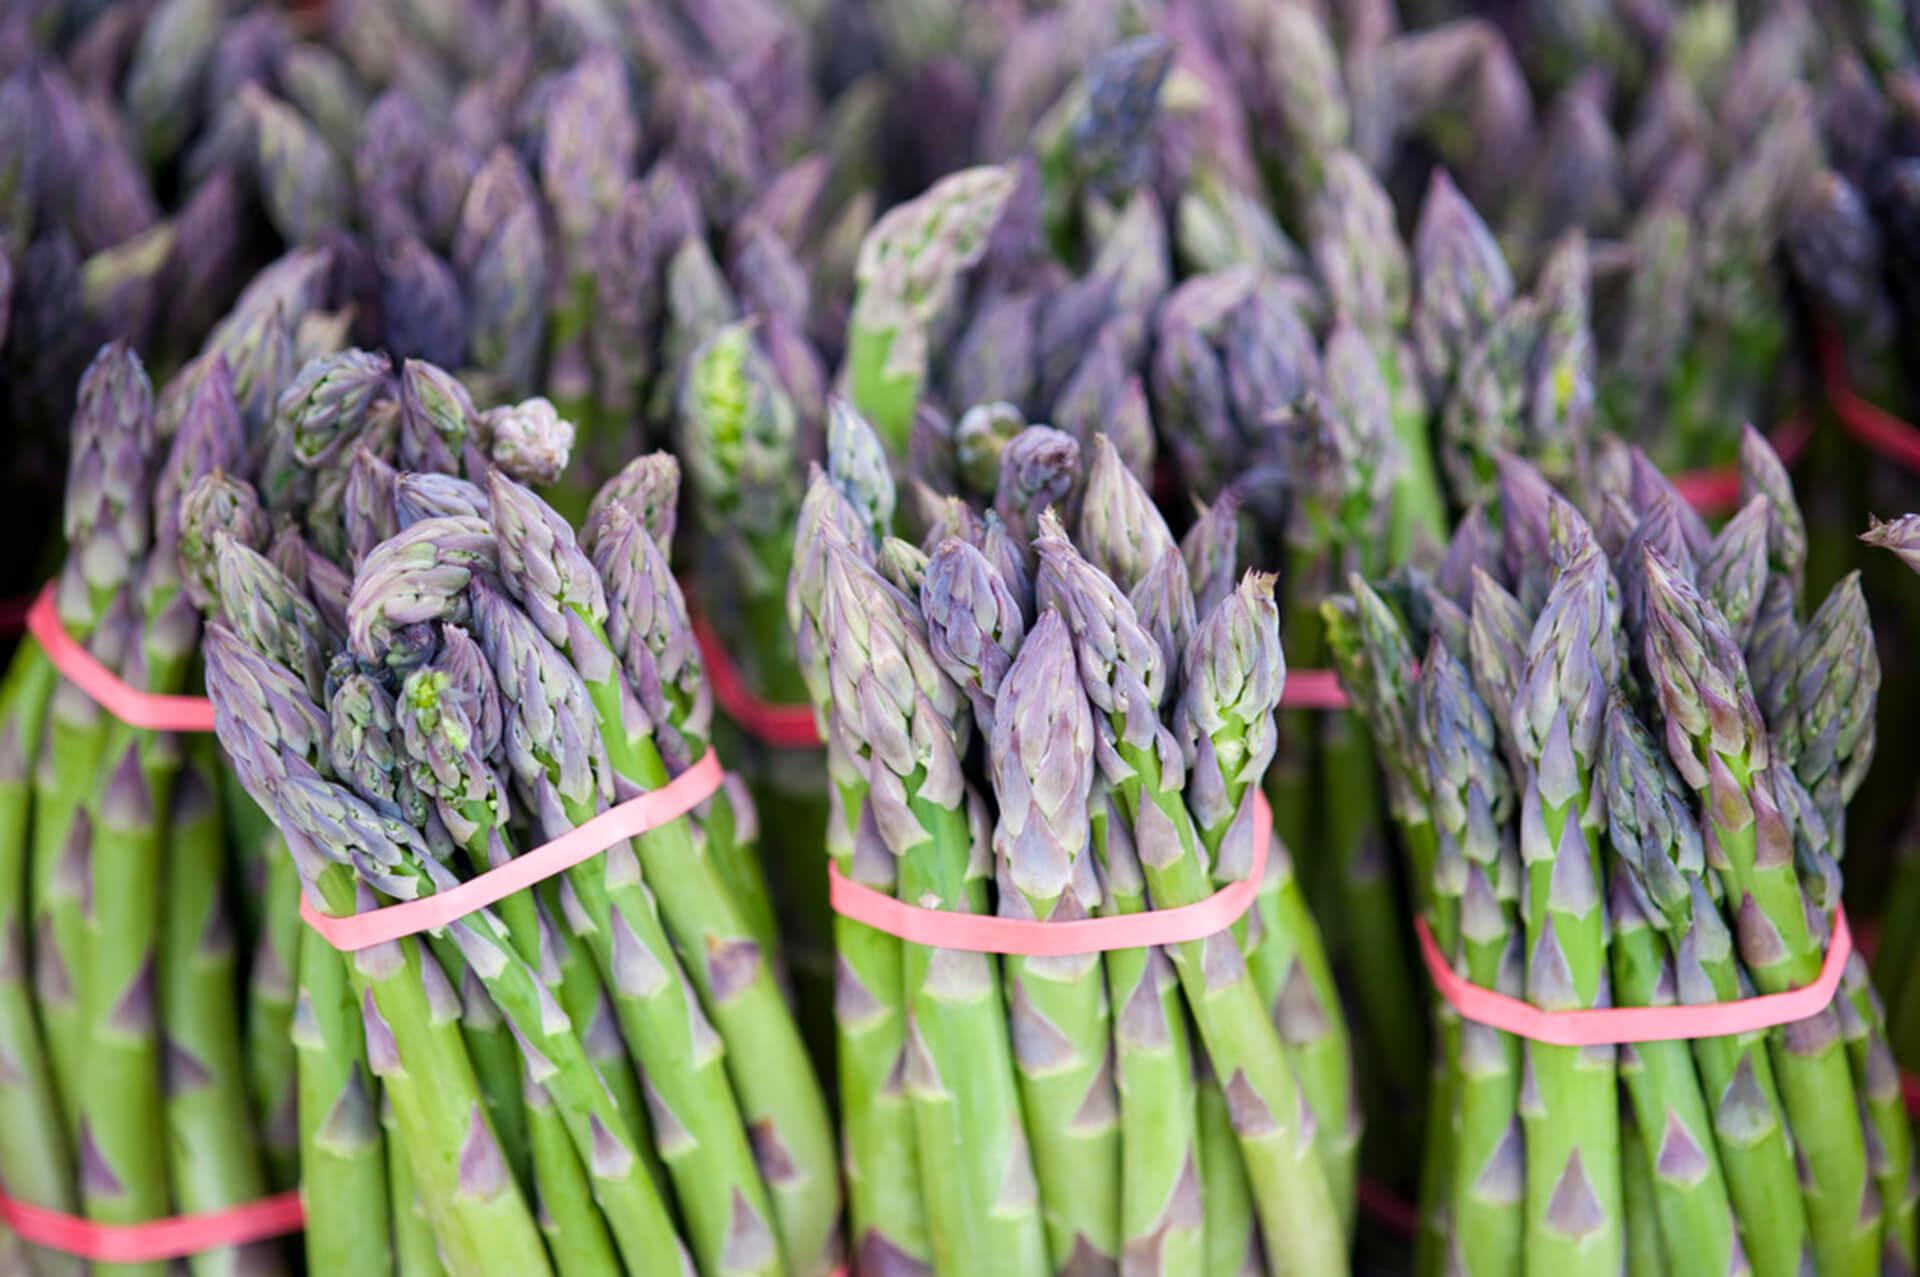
point(1363, 262)
point(1572, 1124)
point(1656, 844)
point(695, 1117)
point(1041, 759)
point(905, 723)
point(1374, 659)
point(1825, 734)
point(344, 1155)
point(780, 1098)
point(107, 531)
point(1126, 679)
point(883, 1174)
point(1721, 748)
point(1472, 809)
point(213, 1158)
point(910, 264)
point(273, 734)
point(36, 1157)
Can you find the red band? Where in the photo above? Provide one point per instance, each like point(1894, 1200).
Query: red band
point(157, 1240)
point(1717, 491)
point(430, 913)
point(148, 710)
point(984, 933)
point(1606, 1026)
point(781, 726)
point(1313, 689)
point(1879, 429)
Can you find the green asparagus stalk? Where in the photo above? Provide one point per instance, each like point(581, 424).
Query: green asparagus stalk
point(981, 1197)
point(1126, 679)
point(910, 266)
point(780, 1098)
point(1375, 661)
point(344, 1154)
point(883, 1175)
point(271, 730)
point(107, 531)
point(1041, 759)
point(213, 1158)
point(1230, 1226)
point(36, 1159)
point(1472, 808)
point(1721, 748)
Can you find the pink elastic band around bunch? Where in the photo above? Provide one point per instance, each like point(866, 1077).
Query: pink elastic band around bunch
point(1608, 1026)
point(583, 842)
point(148, 710)
point(158, 1240)
point(1879, 429)
point(984, 933)
point(781, 726)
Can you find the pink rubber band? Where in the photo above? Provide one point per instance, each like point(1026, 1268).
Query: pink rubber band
point(157, 1240)
point(984, 933)
point(781, 726)
point(1313, 689)
point(1606, 1026)
point(429, 913)
point(1872, 425)
point(135, 708)
point(1717, 491)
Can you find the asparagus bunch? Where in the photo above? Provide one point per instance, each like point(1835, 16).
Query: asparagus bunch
point(1629, 874)
point(600, 1073)
point(1077, 1125)
point(130, 1091)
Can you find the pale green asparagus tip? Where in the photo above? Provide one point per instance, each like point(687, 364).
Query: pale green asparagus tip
point(1121, 530)
point(544, 568)
point(216, 507)
point(974, 623)
point(1041, 757)
point(651, 633)
point(737, 432)
point(530, 441)
point(1901, 535)
point(1232, 674)
point(857, 464)
point(649, 488)
point(412, 581)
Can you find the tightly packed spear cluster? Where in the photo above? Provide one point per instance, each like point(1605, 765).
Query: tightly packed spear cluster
point(1621, 767)
point(1053, 728)
point(600, 1074)
point(560, 198)
point(148, 969)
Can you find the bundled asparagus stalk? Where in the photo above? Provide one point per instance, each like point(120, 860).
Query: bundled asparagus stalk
point(1078, 1108)
point(492, 684)
point(1629, 875)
